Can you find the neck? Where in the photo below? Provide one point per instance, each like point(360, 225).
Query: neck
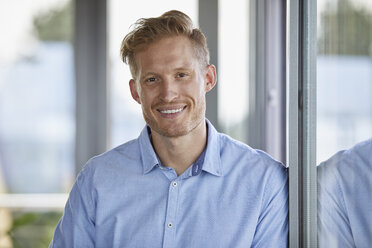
point(181, 152)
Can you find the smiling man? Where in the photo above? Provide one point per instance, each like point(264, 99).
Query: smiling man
point(181, 183)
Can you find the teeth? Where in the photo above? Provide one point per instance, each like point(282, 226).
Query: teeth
point(171, 111)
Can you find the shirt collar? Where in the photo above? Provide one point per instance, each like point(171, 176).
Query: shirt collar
point(148, 155)
point(211, 156)
point(212, 160)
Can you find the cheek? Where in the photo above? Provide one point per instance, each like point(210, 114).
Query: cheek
point(200, 90)
point(147, 97)
point(195, 87)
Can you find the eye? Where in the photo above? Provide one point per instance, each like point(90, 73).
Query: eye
point(181, 75)
point(150, 79)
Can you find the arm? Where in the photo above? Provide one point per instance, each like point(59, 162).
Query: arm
point(333, 222)
point(76, 227)
point(272, 226)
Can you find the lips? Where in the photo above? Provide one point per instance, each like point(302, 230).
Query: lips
point(170, 111)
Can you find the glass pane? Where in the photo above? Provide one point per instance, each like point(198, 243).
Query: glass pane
point(30, 229)
point(233, 68)
point(344, 123)
point(126, 115)
point(36, 96)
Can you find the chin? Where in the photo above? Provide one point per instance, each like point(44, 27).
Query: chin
point(170, 132)
point(173, 128)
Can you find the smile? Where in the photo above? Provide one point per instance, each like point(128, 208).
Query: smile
point(171, 111)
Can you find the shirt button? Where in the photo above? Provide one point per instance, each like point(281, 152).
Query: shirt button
point(174, 183)
point(170, 225)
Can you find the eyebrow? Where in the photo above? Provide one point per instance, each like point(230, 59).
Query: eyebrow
point(151, 73)
point(183, 69)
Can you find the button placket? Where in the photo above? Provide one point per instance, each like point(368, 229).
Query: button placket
point(170, 220)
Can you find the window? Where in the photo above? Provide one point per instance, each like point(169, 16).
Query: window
point(344, 75)
point(37, 112)
point(344, 123)
point(37, 99)
point(233, 68)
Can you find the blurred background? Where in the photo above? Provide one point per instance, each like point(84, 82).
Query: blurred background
point(64, 94)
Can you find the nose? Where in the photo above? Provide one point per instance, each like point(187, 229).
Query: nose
point(168, 90)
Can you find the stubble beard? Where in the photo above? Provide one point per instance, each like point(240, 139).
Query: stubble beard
point(183, 128)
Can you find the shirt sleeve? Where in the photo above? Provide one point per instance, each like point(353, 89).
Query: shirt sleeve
point(272, 227)
point(76, 227)
point(333, 222)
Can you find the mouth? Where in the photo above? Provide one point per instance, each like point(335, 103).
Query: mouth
point(171, 112)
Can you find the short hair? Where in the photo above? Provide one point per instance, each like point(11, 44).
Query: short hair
point(149, 30)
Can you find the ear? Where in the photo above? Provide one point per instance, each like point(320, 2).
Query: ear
point(210, 77)
point(134, 91)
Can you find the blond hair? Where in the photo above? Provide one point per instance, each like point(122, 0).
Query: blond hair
point(150, 30)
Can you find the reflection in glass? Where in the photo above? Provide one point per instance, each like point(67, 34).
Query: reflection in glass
point(345, 196)
point(344, 75)
point(344, 120)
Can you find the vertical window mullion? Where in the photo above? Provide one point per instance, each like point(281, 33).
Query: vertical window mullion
point(309, 123)
point(208, 22)
point(301, 121)
point(292, 123)
point(91, 80)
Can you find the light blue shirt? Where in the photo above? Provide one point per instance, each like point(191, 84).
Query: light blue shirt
point(345, 198)
point(237, 197)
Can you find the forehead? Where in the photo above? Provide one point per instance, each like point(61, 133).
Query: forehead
point(175, 51)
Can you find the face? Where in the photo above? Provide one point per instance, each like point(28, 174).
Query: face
point(171, 86)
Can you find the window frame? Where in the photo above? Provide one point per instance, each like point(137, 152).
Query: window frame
point(301, 122)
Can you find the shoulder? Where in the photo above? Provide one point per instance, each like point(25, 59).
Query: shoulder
point(347, 174)
point(346, 163)
point(232, 147)
point(237, 155)
point(106, 171)
point(126, 151)
point(121, 158)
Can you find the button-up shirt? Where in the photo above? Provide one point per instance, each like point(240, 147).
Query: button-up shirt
point(232, 196)
point(345, 198)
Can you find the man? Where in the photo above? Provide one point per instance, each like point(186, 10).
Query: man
point(344, 198)
point(181, 183)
